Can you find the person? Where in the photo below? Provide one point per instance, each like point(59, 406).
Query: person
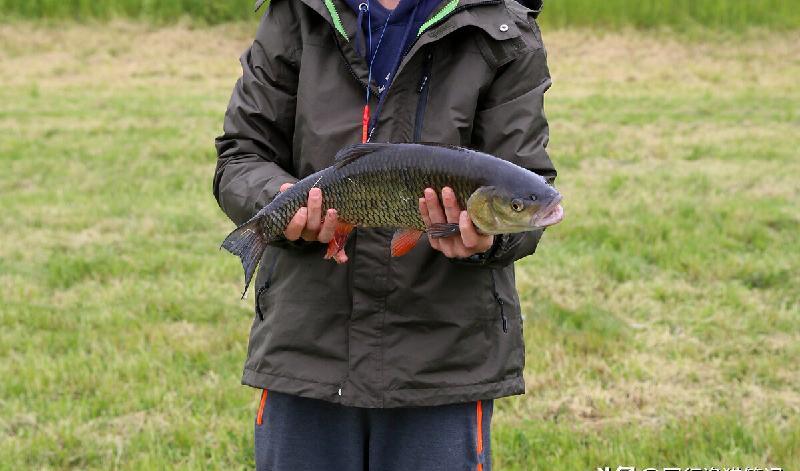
point(381, 363)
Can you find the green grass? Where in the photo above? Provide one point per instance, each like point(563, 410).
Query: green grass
point(152, 10)
point(681, 14)
point(661, 317)
point(722, 14)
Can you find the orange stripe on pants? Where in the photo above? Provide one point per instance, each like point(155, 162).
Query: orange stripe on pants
point(260, 416)
point(479, 419)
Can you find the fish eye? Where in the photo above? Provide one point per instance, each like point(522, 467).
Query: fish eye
point(533, 198)
point(517, 205)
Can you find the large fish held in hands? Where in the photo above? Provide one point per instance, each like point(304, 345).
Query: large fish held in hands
point(379, 185)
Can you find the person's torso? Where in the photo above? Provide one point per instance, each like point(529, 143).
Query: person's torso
point(380, 331)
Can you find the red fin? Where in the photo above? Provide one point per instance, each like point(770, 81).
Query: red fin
point(336, 244)
point(404, 240)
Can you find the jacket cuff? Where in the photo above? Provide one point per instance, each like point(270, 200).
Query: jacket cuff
point(506, 249)
point(273, 187)
point(485, 257)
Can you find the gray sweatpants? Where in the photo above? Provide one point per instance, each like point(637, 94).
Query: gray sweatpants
point(294, 433)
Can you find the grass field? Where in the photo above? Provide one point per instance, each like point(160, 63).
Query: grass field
point(661, 317)
point(681, 14)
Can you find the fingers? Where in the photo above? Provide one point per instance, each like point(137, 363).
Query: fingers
point(423, 211)
point(285, 187)
point(328, 227)
point(451, 209)
point(435, 211)
point(426, 218)
point(469, 236)
point(314, 212)
point(474, 241)
point(436, 216)
point(447, 245)
point(469, 242)
point(297, 224)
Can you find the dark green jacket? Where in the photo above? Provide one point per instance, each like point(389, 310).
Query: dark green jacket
point(380, 331)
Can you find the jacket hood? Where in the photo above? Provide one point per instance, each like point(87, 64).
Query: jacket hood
point(490, 16)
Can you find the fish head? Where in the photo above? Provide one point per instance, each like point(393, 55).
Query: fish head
point(496, 210)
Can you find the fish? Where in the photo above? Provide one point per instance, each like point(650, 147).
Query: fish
point(374, 185)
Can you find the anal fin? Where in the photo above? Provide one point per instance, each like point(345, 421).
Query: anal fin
point(404, 240)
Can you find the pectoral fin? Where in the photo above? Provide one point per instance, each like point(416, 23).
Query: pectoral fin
point(404, 240)
point(443, 230)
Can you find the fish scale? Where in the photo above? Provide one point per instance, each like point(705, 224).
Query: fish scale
point(378, 185)
point(356, 190)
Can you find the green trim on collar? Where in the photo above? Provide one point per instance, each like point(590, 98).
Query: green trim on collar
point(337, 23)
point(438, 16)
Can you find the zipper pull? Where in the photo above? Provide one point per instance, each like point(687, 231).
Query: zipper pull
point(422, 82)
point(502, 312)
point(500, 303)
point(258, 295)
point(426, 71)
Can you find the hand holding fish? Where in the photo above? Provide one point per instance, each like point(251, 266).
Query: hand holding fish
point(468, 241)
point(308, 224)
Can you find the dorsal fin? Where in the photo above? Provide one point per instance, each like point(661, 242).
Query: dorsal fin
point(354, 152)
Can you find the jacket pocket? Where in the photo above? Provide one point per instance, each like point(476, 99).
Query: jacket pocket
point(500, 304)
point(271, 260)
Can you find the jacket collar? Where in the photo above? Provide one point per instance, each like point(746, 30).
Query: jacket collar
point(448, 16)
point(490, 16)
point(343, 19)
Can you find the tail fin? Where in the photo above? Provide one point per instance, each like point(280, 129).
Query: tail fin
point(249, 243)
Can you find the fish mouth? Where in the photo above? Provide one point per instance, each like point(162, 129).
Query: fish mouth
point(550, 214)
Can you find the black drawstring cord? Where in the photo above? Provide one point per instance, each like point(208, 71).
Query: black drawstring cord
point(360, 42)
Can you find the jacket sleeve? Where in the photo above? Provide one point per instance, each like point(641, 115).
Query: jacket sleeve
point(255, 149)
point(510, 123)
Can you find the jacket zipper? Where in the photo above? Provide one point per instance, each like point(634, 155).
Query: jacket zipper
point(408, 49)
point(500, 303)
point(422, 90)
point(416, 38)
